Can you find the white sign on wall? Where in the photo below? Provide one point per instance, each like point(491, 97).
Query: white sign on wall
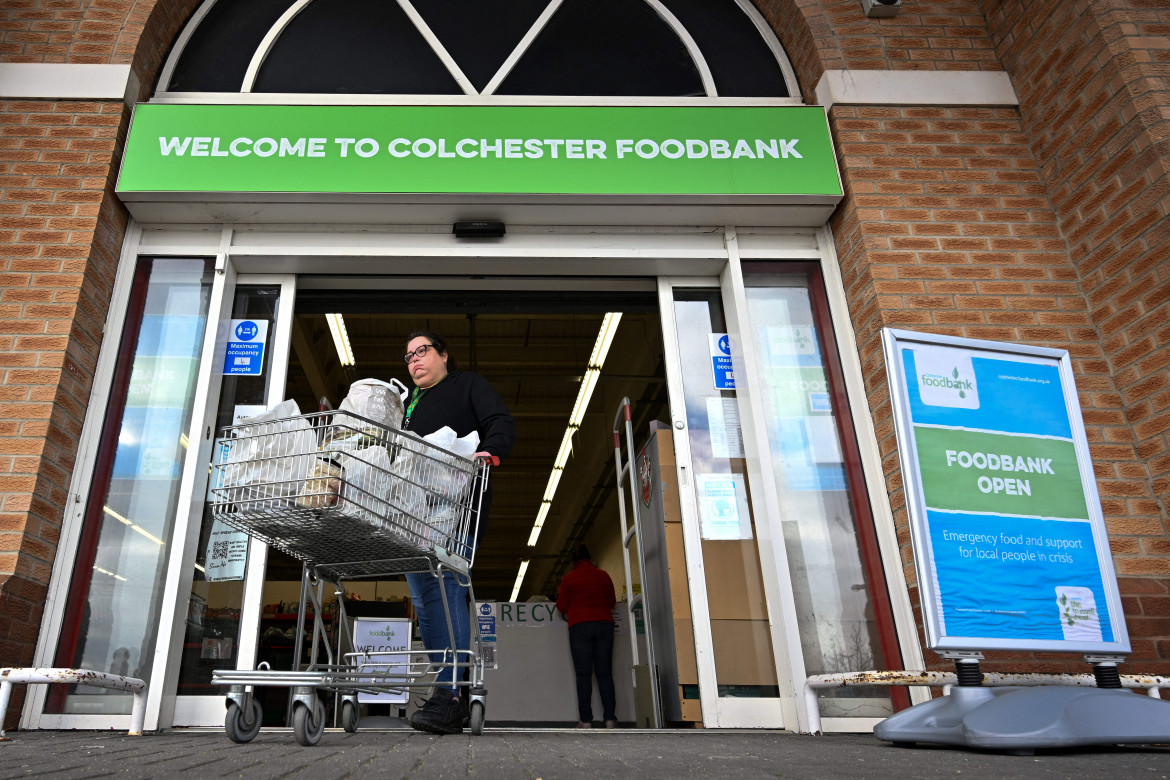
point(226, 556)
point(723, 512)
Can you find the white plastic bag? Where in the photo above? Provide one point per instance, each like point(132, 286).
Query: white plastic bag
point(269, 455)
point(368, 481)
point(448, 483)
point(376, 400)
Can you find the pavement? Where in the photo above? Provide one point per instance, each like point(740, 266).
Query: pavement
point(544, 754)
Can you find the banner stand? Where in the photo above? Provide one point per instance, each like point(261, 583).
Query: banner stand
point(1021, 720)
point(1009, 545)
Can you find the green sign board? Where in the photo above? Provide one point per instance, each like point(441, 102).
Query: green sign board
point(726, 152)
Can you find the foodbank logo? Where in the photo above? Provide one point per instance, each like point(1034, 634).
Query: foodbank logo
point(946, 378)
point(952, 381)
point(791, 340)
point(1073, 611)
point(1079, 617)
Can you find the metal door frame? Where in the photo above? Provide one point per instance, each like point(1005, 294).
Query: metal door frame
point(175, 709)
point(731, 712)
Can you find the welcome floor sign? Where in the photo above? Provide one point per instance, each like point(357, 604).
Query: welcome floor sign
point(1009, 539)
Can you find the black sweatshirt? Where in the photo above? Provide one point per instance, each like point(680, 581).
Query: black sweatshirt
point(465, 402)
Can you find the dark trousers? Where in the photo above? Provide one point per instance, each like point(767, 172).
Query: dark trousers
point(592, 647)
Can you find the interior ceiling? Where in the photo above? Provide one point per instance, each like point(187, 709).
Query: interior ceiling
point(534, 349)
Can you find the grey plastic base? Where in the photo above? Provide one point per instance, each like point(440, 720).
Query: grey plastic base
point(1024, 719)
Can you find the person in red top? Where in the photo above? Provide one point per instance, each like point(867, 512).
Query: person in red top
point(586, 598)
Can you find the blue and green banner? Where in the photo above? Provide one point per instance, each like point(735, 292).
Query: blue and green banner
point(726, 151)
point(1009, 537)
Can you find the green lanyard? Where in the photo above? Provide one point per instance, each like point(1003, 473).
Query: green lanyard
point(415, 397)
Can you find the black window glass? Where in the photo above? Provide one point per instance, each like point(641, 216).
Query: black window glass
point(605, 47)
point(741, 62)
point(480, 34)
point(217, 56)
point(354, 47)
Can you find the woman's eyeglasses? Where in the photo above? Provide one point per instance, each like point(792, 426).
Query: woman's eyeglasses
point(417, 353)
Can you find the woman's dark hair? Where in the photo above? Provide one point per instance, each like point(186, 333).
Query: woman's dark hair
point(438, 342)
point(581, 553)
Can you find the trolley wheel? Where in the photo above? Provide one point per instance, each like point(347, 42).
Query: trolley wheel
point(477, 716)
point(240, 727)
point(349, 716)
point(309, 726)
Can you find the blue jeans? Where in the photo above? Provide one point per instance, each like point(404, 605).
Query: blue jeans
point(591, 644)
point(432, 620)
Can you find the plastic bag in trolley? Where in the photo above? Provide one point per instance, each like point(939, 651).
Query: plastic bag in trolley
point(421, 491)
point(378, 402)
point(267, 458)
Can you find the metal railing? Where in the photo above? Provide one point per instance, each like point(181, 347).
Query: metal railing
point(10, 676)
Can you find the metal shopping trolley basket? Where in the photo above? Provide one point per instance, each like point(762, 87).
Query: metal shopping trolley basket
point(351, 499)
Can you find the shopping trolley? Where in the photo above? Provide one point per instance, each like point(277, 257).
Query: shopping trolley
point(352, 499)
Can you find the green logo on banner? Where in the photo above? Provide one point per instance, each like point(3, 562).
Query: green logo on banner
point(951, 383)
point(969, 471)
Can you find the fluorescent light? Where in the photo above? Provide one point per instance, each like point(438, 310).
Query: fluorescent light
point(553, 480)
point(609, 326)
point(588, 384)
point(519, 580)
point(118, 577)
point(540, 516)
point(566, 449)
point(340, 339)
point(132, 525)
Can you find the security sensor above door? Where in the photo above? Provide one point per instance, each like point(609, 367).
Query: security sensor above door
point(879, 8)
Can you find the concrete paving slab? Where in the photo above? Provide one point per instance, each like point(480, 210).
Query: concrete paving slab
point(547, 755)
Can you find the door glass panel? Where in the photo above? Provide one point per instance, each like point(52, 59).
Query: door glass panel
point(112, 613)
point(735, 590)
point(835, 592)
point(217, 590)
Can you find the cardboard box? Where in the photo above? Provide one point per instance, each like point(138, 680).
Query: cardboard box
point(692, 711)
point(684, 644)
point(668, 476)
point(676, 564)
point(735, 587)
point(743, 652)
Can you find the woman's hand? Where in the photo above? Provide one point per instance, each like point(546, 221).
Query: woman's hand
point(492, 459)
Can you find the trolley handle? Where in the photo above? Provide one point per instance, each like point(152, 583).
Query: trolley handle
point(487, 457)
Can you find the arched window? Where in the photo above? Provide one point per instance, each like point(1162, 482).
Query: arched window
point(555, 48)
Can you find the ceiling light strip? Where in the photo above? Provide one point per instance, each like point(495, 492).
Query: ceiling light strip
point(519, 580)
point(133, 526)
point(340, 338)
point(609, 326)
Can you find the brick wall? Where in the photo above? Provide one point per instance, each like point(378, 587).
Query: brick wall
point(61, 232)
point(1045, 225)
point(1092, 82)
point(60, 236)
point(1091, 77)
point(820, 35)
point(948, 229)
